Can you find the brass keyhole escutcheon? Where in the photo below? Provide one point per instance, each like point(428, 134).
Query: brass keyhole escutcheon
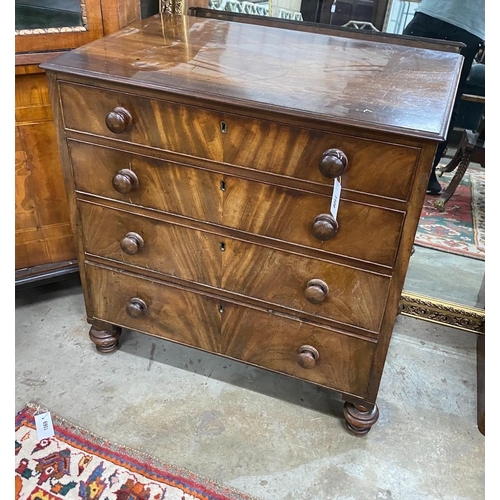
point(223, 127)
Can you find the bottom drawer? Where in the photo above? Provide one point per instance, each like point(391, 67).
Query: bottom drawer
point(287, 345)
point(262, 338)
point(151, 307)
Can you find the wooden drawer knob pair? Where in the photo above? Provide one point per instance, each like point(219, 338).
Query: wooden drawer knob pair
point(333, 164)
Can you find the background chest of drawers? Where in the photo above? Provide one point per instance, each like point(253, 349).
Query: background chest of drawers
point(199, 157)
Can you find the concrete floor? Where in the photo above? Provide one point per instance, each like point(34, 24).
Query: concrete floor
point(274, 438)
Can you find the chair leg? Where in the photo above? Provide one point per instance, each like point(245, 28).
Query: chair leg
point(452, 186)
point(452, 165)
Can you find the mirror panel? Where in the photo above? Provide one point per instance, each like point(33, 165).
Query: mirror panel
point(47, 14)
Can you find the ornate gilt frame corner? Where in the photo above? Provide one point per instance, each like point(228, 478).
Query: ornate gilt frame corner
point(471, 319)
point(172, 6)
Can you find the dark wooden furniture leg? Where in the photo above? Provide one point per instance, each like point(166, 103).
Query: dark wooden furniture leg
point(480, 384)
point(471, 148)
point(454, 162)
point(105, 339)
point(452, 186)
point(359, 419)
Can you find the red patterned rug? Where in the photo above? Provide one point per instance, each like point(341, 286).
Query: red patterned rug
point(460, 228)
point(76, 464)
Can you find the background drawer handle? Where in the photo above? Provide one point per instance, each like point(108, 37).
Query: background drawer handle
point(316, 291)
point(324, 227)
point(136, 308)
point(118, 120)
point(132, 243)
point(125, 181)
point(333, 163)
point(307, 357)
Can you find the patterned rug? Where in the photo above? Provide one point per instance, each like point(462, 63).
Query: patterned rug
point(460, 228)
point(72, 463)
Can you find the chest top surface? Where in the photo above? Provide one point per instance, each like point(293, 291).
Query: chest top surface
point(349, 81)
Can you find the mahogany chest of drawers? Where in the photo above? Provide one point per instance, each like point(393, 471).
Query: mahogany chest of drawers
point(201, 158)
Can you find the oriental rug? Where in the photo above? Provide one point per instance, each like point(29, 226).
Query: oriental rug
point(460, 229)
point(75, 464)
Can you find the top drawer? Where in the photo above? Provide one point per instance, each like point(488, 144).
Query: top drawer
point(373, 167)
point(149, 122)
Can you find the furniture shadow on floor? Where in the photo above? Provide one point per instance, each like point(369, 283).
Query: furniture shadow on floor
point(232, 372)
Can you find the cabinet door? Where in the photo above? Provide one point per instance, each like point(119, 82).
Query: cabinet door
point(43, 228)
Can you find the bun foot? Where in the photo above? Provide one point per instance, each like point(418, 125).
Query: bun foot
point(359, 419)
point(106, 341)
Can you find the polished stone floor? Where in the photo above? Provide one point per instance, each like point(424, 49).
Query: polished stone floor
point(275, 438)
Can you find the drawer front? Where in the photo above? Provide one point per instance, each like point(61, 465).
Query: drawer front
point(156, 308)
point(274, 342)
point(151, 244)
point(313, 286)
point(155, 123)
point(161, 185)
point(365, 232)
point(374, 167)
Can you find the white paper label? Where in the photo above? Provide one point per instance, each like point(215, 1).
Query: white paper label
point(334, 207)
point(333, 8)
point(44, 427)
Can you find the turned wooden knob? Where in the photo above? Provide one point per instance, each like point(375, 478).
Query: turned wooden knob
point(333, 163)
point(118, 120)
point(132, 243)
point(307, 357)
point(125, 181)
point(324, 227)
point(316, 291)
point(136, 308)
